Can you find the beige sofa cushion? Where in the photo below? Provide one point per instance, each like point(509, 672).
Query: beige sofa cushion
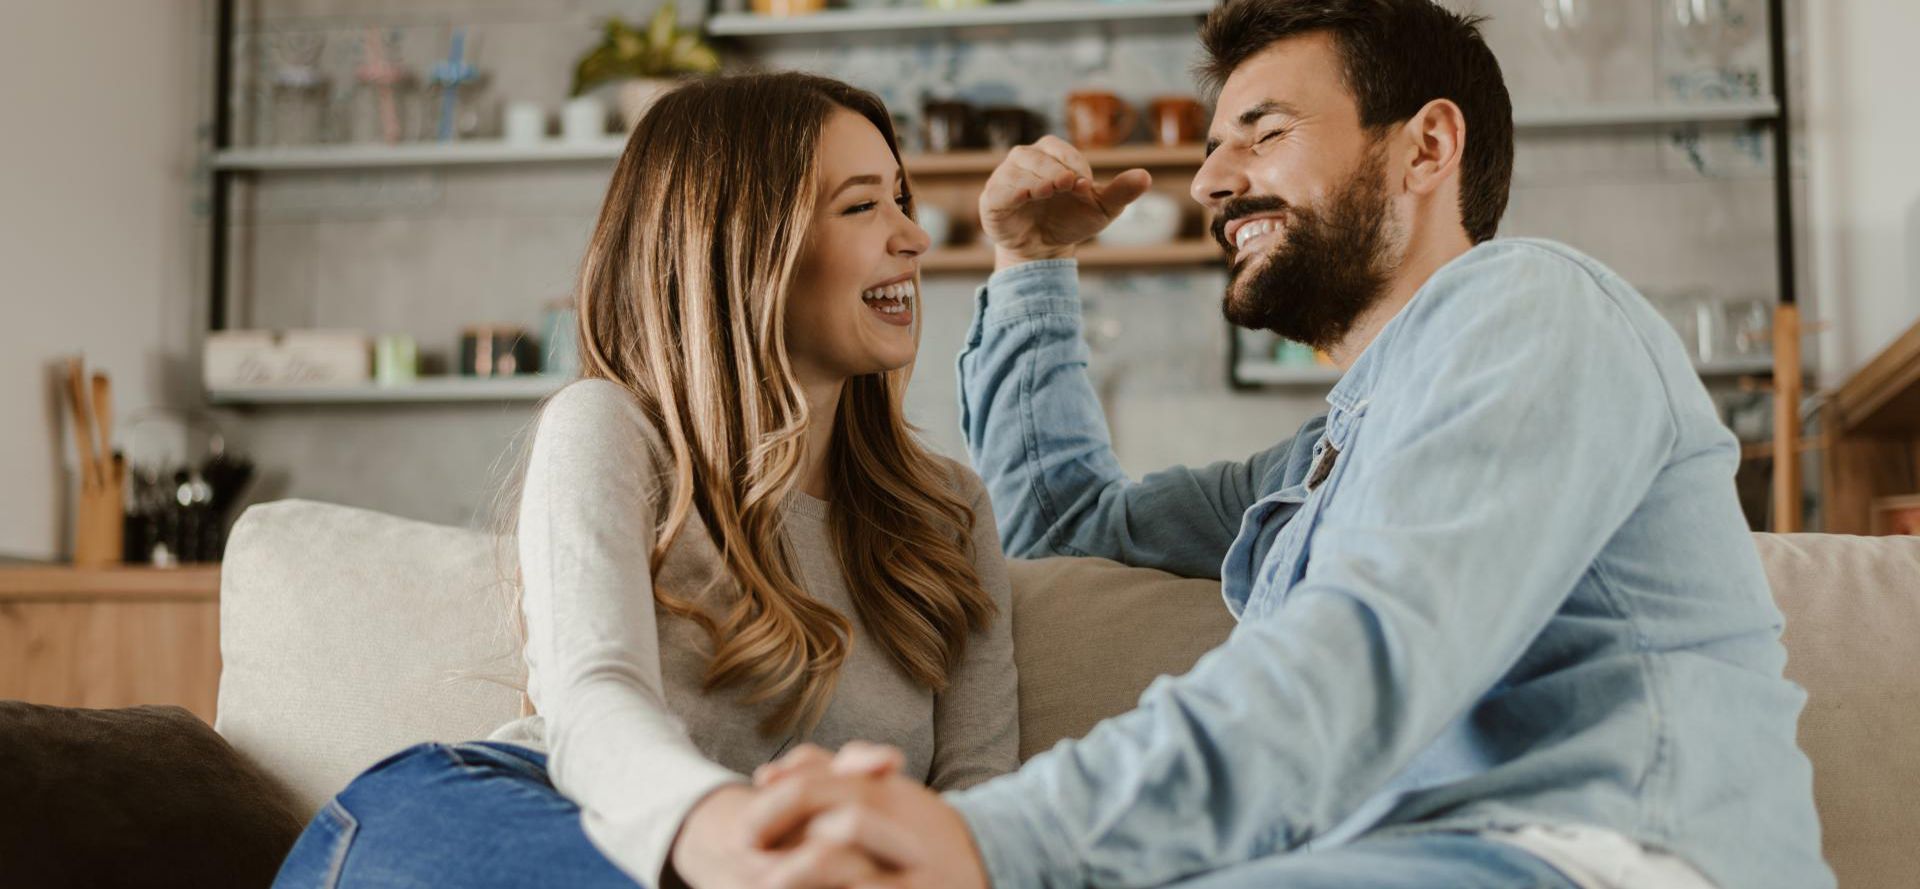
point(1853, 642)
point(345, 636)
point(1090, 635)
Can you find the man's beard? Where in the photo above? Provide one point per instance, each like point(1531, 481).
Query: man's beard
point(1329, 268)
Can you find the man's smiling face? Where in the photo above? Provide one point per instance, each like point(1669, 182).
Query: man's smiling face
point(1298, 189)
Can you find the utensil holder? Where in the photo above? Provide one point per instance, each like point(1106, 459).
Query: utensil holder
point(99, 525)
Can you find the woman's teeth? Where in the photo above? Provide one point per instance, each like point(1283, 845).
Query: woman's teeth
point(891, 299)
point(1253, 230)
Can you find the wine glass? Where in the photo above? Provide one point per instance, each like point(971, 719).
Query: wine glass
point(1713, 28)
point(1586, 29)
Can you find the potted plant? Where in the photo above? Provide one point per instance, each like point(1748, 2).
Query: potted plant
point(644, 62)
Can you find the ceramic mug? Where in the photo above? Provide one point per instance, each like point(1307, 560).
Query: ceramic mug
point(525, 123)
point(950, 125)
point(1176, 120)
point(1098, 119)
point(1007, 126)
point(583, 120)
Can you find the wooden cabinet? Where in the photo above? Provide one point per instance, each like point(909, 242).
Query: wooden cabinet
point(111, 637)
point(1873, 456)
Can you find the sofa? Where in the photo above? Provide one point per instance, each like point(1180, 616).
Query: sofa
point(348, 634)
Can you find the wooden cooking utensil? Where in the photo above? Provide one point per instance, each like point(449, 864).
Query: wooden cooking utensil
point(82, 425)
point(103, 421)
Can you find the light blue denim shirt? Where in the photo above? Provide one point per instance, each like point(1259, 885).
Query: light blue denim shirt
point(1503, 581)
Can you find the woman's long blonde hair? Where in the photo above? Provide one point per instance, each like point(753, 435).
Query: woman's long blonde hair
point(682, 298)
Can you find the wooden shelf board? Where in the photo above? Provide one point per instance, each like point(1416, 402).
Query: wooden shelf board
point(66, 582)
point(978, 259)
point(1119, 157)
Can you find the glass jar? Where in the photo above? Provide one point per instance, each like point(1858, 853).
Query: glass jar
point(299, 114)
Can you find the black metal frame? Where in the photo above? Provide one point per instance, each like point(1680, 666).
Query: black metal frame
point(1780, 123)
point(222, 180)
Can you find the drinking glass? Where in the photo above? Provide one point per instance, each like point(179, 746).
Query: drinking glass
point(1713, 28)
point(1587, 30)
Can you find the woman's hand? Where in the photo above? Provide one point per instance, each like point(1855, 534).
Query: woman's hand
point(715, 850)
point(1041, 202)
point(859, 799)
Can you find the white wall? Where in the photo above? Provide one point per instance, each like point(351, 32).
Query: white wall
point(98, 104)
point(1863, 130)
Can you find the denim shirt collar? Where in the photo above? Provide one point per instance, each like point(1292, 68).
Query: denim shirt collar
point(1356, 387)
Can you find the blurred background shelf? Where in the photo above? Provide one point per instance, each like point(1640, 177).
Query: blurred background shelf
point(1645, 114)
point(449, 389)
point(980, 259)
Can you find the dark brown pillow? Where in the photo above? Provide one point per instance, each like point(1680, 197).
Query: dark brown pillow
point(143, 796)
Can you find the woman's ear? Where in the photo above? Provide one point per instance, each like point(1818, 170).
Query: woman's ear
point(1436, 135)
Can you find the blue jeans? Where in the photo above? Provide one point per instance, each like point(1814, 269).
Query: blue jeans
point(1412, 861)
point(480, 815)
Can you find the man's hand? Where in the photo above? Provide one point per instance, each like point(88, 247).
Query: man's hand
point(1041, 202)
point(712, 852)
point(858, 799)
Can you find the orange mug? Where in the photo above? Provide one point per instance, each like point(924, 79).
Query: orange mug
point(1176, 120)
point(1099, 119)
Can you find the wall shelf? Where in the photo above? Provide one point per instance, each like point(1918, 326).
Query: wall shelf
point(1270, 375)
point(1632, 115)
point(426, 390)
point(1266, 373)
point(840, 21)
point(416, 154)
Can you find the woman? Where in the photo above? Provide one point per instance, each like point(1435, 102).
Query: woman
point(730, 541)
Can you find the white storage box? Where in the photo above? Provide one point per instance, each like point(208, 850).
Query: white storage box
point(242, 358)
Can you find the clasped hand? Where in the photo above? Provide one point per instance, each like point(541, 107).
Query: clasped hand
point(816, 820)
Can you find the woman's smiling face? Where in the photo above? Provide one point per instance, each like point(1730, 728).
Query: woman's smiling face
point(855, 294)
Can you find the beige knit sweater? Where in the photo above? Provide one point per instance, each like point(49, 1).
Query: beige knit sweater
point(616, 682)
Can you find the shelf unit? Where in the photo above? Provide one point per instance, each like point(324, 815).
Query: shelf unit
point(1322, 376)
point(230, 164)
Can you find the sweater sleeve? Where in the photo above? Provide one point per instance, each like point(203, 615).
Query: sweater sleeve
point(976, 726)
point(586, 530)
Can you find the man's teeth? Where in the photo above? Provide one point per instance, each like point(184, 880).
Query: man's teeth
point(1253, 230)
point(901, 293)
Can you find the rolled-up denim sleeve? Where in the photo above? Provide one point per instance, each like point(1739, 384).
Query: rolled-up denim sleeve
point(1528, 424)
point(1037, 436)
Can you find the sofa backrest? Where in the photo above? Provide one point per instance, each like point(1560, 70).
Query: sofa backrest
point(1853, 642)
point(348, 634)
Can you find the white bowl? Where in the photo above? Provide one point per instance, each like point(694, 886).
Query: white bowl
point(1152, 219)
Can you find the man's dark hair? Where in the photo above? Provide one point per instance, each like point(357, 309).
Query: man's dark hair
point(1398, 55)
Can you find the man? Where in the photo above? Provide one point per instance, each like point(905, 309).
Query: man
point(1501, 622)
